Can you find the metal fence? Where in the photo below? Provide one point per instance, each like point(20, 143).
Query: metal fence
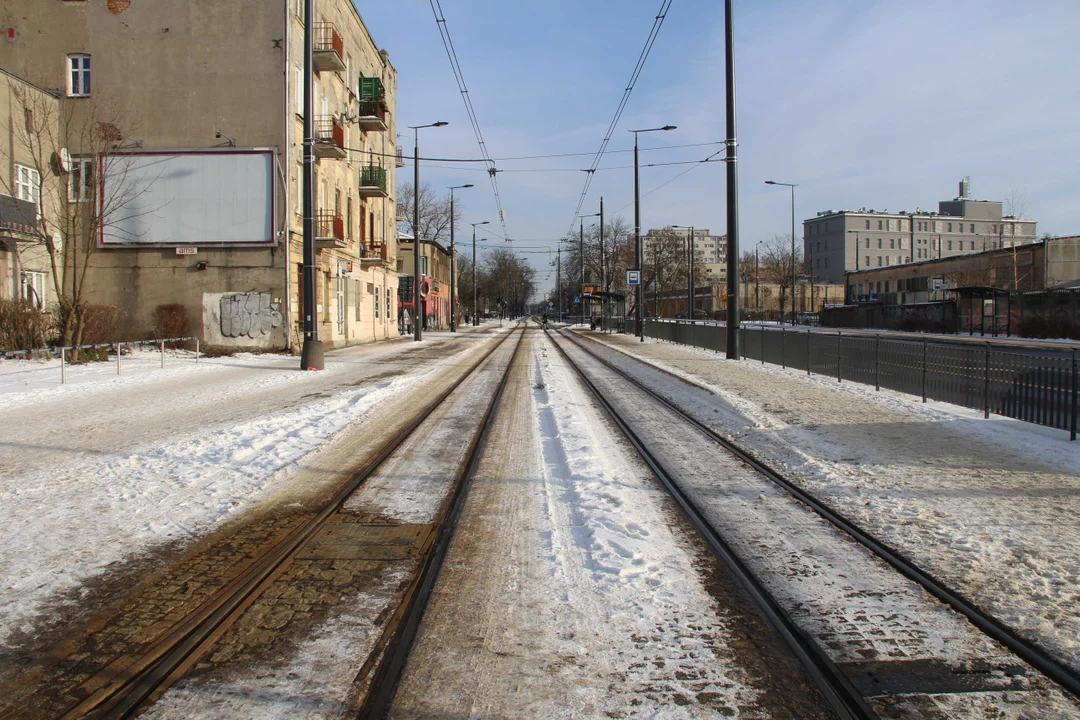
point(1038, 385)
point(62, 351)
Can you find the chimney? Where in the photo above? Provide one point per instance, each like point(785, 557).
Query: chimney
point(965, 188)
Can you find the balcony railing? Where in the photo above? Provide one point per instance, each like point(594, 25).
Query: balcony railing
point(329, 230)
point(329, 137)
point(372, 115)
point(376, 254)
point(400, 158)
point(371, 88)
point(373, 181)
point(18, 218)
point(329, 49)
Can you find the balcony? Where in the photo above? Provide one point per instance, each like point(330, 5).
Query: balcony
point(375, 255)
point(329, 137)
point(373, 182)
point(329, 231)
point(329, 49)
point(400, 158)
point(18, 220)
point(371, 88)
point(372, 115)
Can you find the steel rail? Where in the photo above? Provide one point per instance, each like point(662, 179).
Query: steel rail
point(388, 675)
point(1030, 652)
point(838, 691)
point(126, 694)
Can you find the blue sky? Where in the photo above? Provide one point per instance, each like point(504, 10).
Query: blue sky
point(864, 104)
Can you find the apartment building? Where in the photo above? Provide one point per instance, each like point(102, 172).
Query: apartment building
point(435, 286)
point(710, 251)
point(203, 102)
point(30, 205)
point(836, 242)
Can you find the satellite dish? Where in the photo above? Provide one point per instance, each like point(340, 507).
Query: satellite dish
point(61, 162)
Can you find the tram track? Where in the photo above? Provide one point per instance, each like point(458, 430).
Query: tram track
point(175, 651)
point(839, 690)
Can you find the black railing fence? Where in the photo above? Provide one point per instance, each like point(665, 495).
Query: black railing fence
point(1038, 385)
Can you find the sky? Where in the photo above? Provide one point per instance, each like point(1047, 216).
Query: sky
point(883, 105)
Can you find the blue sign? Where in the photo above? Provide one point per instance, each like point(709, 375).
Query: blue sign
point(577, 299)
point(633, 277)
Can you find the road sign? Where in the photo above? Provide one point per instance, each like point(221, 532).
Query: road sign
point(577, 299)
point(939, 283)
point(633, 277)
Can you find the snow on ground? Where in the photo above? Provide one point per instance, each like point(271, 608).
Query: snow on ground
point(99, 502)
point(990, 506)
point(571, 588)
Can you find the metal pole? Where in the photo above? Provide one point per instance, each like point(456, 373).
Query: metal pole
point(877, 366)
point(581, 257)
point(732, 192)
point(312, 353)
point(809, 338)
point(690, 275)
point(558, 282)
point(757, 283)
point(475, 321)
point(986, 382)
point(453, 288)
point(793, 279)
point(839, 353)
point(417, 319)
point(603, 319)
point(637, 242)
point(924, 370)
point(1075, 394)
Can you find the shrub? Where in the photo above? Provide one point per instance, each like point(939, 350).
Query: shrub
point(23, 326)
point(101, 324)
point(171, 321)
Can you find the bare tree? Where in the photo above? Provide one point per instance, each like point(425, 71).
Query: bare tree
point(434, 213)
point(1015, 205)
point(776, 262)
point(79, 203)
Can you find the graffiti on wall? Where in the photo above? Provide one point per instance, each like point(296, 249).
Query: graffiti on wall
point(249, 314)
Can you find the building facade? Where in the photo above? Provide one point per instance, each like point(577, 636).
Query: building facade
point(435, 287)
point(29, 213)
point(710, 251)
point(211, 94)
point(837, 242)
point(1042, 265)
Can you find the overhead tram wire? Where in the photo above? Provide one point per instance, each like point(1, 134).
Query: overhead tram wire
point(575, 170)
point(372, 153)
point(658, 22)
point(459, 77)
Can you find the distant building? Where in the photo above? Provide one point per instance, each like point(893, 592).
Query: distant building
point(434, 282)
point(1042, 265)
point(837, 242)
point(710, 251)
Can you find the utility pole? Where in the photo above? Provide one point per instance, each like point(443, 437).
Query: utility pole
point(558, 281)
point(732, 192)
point(311, 355)
point(603, 325)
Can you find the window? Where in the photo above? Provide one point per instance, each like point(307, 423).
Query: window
point(867, 243)
point(386, 294)
point(299, 192)
point(949, 227)
point(892, 243)
point(33, 288)
point(826, 263)
point(867, 224)
point(993, 228)
point(28, 185)
point(376, 302)
point(879, 261)
point(348, 218)
point(879, 243)
point(78, 76)
point(971, 228)
point(950, 245)
point(326, 297)
point(81, 180)
point(356, 294)
point(867, 263)
point(879, 225)
point(423, 264)
point(300, 91)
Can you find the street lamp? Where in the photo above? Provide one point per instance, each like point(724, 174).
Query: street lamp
point(581, 251)
point(453, 285)
point(691, 296)
point(638, 254)
point(792, 186)
point(417, 312)
point(475, 317)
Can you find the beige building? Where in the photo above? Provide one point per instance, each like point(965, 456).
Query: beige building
point(435, 286)
point(29, 214)
point(203, 100)
point(710, 251)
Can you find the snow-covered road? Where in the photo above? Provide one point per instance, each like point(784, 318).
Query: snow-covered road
point(106, 467)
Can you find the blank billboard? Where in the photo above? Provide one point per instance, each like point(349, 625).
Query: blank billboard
point(198, 197)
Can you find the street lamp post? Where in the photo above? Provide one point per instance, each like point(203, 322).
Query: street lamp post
point(639, 255)
point(690, 289)
point(475, 317)
point(311, 355)
point(453, 257)
point(792, 186)
point(603, 320)
point(417, 312)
